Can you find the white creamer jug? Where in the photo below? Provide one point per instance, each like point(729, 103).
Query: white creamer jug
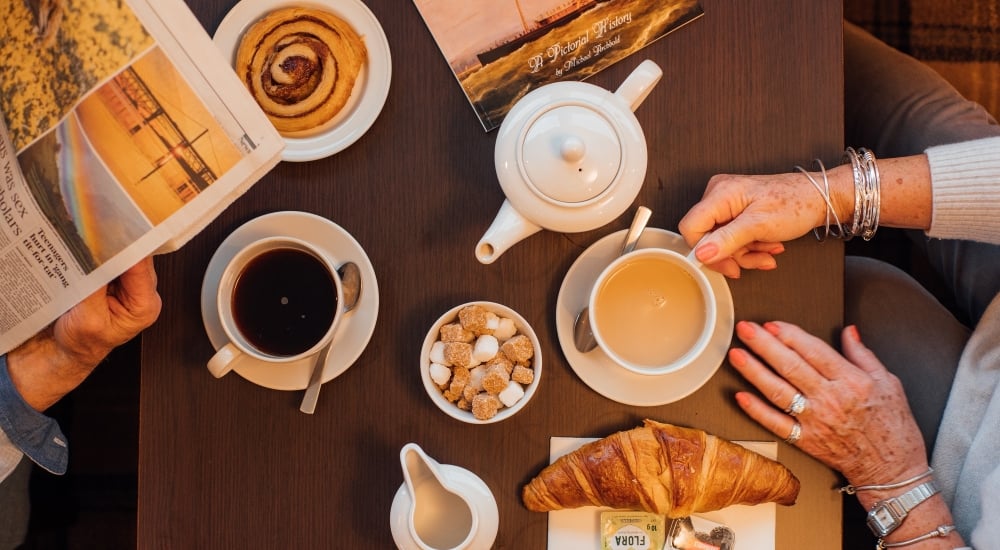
point(441, 507)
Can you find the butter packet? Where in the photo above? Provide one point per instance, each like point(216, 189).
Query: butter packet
point(631, 531)
point(695, 533)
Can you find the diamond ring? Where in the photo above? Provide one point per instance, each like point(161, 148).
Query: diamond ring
point(798, 405)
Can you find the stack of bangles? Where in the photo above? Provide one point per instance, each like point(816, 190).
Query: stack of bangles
point(867, 197)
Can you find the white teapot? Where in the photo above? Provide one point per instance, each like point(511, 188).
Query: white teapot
point(570, 157)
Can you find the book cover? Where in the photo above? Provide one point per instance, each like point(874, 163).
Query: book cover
point(500, 50)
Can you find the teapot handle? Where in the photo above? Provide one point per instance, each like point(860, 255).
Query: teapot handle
point(638, 84)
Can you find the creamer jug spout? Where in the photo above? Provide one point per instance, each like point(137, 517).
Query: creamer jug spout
point(509, 227)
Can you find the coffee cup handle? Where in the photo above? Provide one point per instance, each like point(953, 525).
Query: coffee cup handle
point(223, 360)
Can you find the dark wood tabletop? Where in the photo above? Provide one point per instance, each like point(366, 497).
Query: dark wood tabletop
point(754, 86)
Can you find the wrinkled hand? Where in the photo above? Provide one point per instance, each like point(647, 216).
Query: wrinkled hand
point(56, 360)
point(857, 419)
point(749, 217)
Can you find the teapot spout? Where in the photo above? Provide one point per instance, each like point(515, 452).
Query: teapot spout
point(508, 228)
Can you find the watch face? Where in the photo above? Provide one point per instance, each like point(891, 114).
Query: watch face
point(882, 521)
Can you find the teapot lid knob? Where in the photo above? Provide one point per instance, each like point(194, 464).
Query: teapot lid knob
point(571, 153)
point(573, 149)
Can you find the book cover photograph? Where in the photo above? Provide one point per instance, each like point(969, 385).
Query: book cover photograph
point(500, 50)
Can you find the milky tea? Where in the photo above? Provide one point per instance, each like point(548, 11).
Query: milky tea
point(649, 311)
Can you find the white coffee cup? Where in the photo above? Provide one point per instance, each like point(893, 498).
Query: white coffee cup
point(280, 300)
point(652, 311)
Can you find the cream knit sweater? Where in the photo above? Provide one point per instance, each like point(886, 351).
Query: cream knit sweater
point(966, 459)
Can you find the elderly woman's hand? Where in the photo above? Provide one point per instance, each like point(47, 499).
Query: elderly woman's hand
point(856, 418)
point(56, 360)
point(748, 217)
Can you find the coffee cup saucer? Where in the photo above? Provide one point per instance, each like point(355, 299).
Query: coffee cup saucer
point(357, 326)
point(602, 374)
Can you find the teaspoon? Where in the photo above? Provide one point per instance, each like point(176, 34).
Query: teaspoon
point(583, 336)
point(350, 281)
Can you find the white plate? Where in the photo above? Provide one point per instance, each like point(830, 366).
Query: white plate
point(579, 528)
point(603, 375)
point(358, 324)
point(370, 90)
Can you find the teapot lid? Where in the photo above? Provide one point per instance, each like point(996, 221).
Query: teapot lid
point(570, 152)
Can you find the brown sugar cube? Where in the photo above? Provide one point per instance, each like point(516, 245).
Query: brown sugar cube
point(518, 349)
point(464, 404)
point(459, 380)
point(469, 393)
point(475, 319)
point(496, 379)
point(452, 396)
point(522, 375)
point(455, 332)
point(458, 353)
point(500, 359)
point(485, 406)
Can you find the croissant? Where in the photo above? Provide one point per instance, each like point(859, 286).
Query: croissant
point(663, 469)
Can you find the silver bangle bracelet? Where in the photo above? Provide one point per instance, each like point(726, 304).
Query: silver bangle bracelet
point(851, 489)
point(867, 193)
point(941, 531)
point(837, 231)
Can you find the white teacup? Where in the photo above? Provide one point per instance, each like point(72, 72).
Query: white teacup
point(279, 301)
point(652, 311)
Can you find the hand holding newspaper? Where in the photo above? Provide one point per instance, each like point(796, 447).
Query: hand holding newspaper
point(124, 133)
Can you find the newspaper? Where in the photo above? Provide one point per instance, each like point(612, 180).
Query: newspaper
point(124, 133)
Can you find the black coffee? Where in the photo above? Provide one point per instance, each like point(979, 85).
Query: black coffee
point(284, 301)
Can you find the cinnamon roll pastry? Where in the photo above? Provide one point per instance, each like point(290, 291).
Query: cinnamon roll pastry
point(300, 65)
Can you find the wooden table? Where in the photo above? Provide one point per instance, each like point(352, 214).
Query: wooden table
point(753, 86)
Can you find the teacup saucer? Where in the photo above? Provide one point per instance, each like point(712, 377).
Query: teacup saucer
point(358, 325)
point(600, 372)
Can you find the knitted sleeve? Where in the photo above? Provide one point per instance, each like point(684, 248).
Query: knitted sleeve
point(965, 179)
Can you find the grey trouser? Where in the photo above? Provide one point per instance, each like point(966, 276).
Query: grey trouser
point(14, 506)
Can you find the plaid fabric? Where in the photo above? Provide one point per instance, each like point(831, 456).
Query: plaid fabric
point(958, 38)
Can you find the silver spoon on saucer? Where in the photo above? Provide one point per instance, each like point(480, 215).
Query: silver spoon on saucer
point(350, 281)
point(583, 336)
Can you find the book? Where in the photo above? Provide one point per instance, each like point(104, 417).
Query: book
point(124, 133)
point(501, 50)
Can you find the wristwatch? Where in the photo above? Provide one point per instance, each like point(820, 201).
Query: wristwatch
point(886, 515)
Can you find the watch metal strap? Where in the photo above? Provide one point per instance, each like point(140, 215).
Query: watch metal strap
point(910, 499)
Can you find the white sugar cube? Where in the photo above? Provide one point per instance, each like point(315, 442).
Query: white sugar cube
point(486, 348)
point(440, 374)
point(511, 394)
point(492, 321)
point(437, 353)
point(476, 377)
point(505, 329)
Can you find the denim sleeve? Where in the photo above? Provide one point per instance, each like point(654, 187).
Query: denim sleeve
point(28, 430)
